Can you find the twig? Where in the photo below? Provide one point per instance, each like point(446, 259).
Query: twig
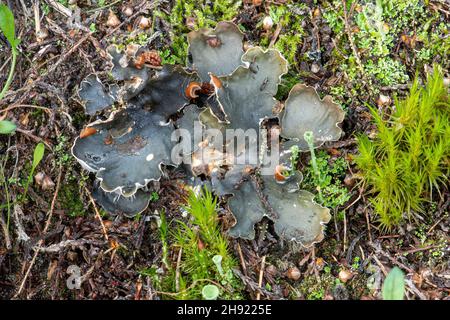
point(275, 35)
point(6, 233)
point(63, 244)
point(24, 106)
point(350, 38)
point(241, 258)
point(47, 225)
point(28, 87)
point(345, 230)
point(21, 234)
point(60, 8)
point(37, 20)
point(261, 273)
point(383, 269)
point(417, 250)
point(103, 7)
point(33, 137)
point(97, 213)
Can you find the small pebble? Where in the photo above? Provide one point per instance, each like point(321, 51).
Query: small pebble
point(113, 21)
point(144, 23)
point(267, 23)
point(127, 11)
point(345, 275)
point(293, 273)
point(315, 68)
point(349, 180)
point(48, 183)
point(383, 100)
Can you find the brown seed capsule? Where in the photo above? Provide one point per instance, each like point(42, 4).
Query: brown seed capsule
point(39, 178)
point(345, 275)
point(108, 140)
point(192, 90)
point(149, 57)
point(279, 173)
point(383, 100)
point(267, 23)
point(293, 273)
point(47, 183)
point(349, 180)
point(201, 245)
point(144, 23)
point(190, 23)
point(207, 88)
point(128, 11)
point(112, 21)
point(316, 12)
point(88, 131)
point(213, 41)
point(215, 81)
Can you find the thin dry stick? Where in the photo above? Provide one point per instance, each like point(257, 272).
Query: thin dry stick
point(37, 20)
point(350, 37)
point(24, 106)
point(97, 213)
point(60, 8)
point(261, 273)
point(402, 253)
point(275, 35)
point(53, 68)
point(241, 258)
point(434, 225)
point(6, 233)
point(345, 230)
point(33, 137)
point(41, 242)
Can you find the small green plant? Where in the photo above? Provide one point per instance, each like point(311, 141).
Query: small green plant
point(7, 127)
point(7, 26)
point(154, 196)
point(409, 157)
point(205, 260)
point(164, 233)
point(37, 158)
point(394, 285)
point(325, 178)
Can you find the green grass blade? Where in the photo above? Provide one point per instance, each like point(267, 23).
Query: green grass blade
point(7, 127)
point(394, 285)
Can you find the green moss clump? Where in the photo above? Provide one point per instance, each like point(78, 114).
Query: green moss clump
point(409, 157)
point(71, 201)
point(200, 14)
point(199, 242)
point(333, 193)
point(289, 16)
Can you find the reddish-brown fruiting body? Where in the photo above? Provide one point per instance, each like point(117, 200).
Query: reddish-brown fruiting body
point(192, 90)
point(88, 131)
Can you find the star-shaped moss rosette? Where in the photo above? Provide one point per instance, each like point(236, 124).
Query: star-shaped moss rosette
point(226, 89)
